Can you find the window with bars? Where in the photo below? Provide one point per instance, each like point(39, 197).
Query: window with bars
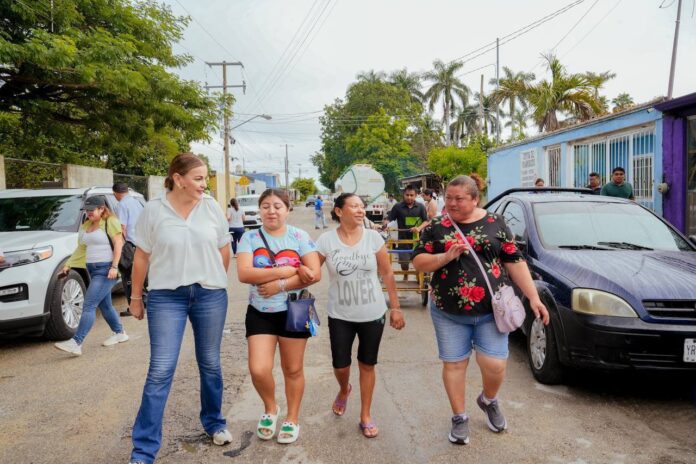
point(633, 151)
point(553, 155)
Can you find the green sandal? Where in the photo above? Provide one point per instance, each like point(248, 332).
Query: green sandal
point(289, 433)
point(266, 427)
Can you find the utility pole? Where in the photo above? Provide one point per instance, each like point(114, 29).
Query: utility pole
point(497, 86)
point(287, 172)
point(483, 115)
point(674, 51)
point(226, 115)
point(299, 172)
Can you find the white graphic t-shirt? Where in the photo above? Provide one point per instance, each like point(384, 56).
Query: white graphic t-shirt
point(355, 293)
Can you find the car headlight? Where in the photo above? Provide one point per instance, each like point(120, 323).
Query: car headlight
point(22, 257)
point(598, 303)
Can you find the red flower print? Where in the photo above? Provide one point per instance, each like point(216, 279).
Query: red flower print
point(495, 270)
point(449, 244)
point(446, 222)
point(464, 291)
point(461, 281)
point(428, 247)
point(458, 236)
point(471, 240)
point(443, 276)
point(490, 219)
point(476, 294)
point(509, 248)
point(478, 248)
point(467, 307)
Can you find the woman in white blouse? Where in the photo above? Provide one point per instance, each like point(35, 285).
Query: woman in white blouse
point(183, 237)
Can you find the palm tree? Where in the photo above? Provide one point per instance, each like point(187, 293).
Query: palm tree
point(410, 82)
point(573, 94)
point(446, 87)
point(622, 102)
point(371, 76)
point(486, 112)
point(466, 124)
point(512, 88)
point(518, 123)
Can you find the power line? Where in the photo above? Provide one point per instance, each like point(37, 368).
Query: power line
point(204, 29)
point(592, 29)
point(517, 33)
point(575, 25)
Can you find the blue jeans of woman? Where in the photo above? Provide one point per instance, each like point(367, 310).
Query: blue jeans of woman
point(167, 312)
point(237, 233)
point(98, 294)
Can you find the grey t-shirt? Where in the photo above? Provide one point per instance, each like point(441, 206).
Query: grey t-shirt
point(355, 293)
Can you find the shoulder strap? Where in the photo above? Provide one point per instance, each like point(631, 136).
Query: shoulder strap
point(272, 255)
point(473, 254)
point(106, 231)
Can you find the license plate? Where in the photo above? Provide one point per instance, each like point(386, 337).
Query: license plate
point(690, 350)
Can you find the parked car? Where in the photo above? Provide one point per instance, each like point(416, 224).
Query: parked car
point(249, 204)
point(311, 199)
point(618, 280)
point(38, 232)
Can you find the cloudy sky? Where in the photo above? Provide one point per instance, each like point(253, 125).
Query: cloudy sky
point(300, 55)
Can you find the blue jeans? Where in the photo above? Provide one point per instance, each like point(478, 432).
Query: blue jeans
point(457, 334)
point(167, 311)
point(319, 220)
point(98, 294)
point(237, 233)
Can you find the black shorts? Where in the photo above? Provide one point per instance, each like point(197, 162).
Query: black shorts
point(342, 334)
point(260, 323)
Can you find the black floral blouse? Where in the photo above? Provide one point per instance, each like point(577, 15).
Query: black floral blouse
point(459, 287)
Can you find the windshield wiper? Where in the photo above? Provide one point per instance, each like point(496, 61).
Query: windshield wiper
point(624, 245)
point(583, 247)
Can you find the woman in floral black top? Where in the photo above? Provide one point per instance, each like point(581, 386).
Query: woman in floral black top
point(460, 302)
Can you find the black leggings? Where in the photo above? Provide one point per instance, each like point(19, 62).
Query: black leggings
point(342, 334)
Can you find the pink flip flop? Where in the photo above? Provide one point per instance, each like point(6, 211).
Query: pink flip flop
point(341, 403)
point(369, 426)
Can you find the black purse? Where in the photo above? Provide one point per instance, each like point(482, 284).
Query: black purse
point(301, 314)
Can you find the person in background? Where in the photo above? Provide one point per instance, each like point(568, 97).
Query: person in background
point(356, 257)
point(128, 212)
point(411, 218)
point(391, 201)
point(182, 237)
point(460, 302)
point(277, 260)
point(594, 183)
point(100, 241)
point(319, 221)
point(539, 183)
point(618, 187)
point(235, 219)
point(430, 204)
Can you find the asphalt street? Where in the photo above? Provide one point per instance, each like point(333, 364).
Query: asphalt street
point(59, 409)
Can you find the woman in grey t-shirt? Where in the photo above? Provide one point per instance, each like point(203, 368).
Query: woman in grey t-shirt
point(355, 257)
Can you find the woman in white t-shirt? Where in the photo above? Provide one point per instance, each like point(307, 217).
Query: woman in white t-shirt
point(355, 257)
point(235, 219)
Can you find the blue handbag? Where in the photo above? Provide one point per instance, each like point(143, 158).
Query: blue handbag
point(301, 314)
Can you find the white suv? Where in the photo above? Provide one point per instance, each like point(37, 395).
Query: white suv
point(38, 232)
point(249, 204)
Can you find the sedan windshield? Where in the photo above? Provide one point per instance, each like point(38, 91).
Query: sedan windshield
point(600, 226)
point(249, 201)
point(57, 213)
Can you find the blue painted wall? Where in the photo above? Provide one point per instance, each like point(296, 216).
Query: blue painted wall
point(504, 164)
point(268, 178)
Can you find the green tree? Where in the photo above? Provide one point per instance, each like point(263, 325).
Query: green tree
point(449, 162)
point(305, 185)
point(512, 88)
point(89, 81)
point(410, 82)
point(344, 118)
point(576, 95)
point(448, 88)
point(382, 142)
point(621, 102)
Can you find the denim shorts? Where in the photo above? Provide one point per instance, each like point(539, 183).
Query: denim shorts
point(458, 334)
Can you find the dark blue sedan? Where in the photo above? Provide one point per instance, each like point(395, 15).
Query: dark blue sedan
point(619, 282)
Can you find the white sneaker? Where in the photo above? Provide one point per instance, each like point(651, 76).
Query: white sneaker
point(222, 437)
point(70, 346)
point(116, 338)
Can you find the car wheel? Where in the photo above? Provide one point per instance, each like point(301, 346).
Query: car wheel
point(542, 352)
point(66, 298)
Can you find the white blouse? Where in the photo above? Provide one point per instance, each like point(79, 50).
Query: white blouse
point(183, 252)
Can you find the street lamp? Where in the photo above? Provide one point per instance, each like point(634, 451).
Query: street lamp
point(227, 150)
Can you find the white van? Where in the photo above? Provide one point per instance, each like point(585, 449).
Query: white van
point(249, 204)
